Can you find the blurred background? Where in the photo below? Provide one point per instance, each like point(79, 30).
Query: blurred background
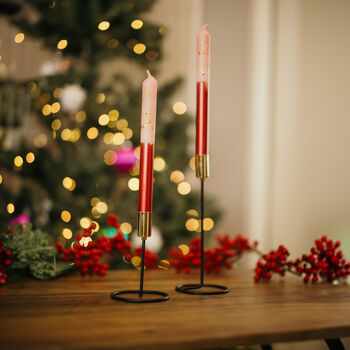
point(279, 116)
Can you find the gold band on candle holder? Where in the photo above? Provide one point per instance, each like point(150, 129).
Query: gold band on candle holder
point(202, 165)
point(144, 224)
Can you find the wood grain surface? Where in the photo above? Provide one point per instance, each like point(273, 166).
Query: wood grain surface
point(77, 313)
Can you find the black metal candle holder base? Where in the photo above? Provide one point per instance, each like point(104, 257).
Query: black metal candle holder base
point(195, 289)
point(118, 296)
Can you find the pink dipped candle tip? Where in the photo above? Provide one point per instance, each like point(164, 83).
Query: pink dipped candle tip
point(203, 56)
point(149, 109)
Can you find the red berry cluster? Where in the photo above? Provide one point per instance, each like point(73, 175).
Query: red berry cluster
point(151, 259)
point(215, 259)
point(274, 262)
point(88, 258)
point(326, 262)
point(5, 261)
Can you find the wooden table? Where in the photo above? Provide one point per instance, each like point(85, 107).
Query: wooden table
point(77, 313)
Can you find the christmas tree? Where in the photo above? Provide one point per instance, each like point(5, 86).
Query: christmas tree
point(69, 142)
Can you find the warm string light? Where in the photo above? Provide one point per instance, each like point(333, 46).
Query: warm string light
point(66, 216)
point(18, 161)
point(126, 227)
point(100, 98)
point(104, 25)
point(67, 233)
point(19, 37)
point(139, 48)
point(92, 133)
point(136, 24)
point(62, 44)
point(133, 184)
point(179, 108)
point(10, 208)
point(69, 183)
point(184, 188)
point(30, 157)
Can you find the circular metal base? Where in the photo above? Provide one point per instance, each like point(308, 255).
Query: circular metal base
point(118, 296)
point(195, 289)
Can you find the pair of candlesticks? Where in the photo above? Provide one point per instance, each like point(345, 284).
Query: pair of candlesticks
point(144, 231)
point(148, 126)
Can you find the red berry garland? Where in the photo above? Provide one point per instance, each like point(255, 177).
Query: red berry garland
point(5, 261)
point(325, 262)
point(274, 262)
point(222, 256)
point(87, 258)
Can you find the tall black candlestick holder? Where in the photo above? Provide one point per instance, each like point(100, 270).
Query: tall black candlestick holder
point(202, 171)
point(144, 231)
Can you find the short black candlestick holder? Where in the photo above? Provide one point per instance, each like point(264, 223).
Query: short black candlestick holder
point(196, 288)
point(145, 227)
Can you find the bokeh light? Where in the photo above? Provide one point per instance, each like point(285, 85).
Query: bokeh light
point(19, 37)
point(110, 157)
point(62, 44)
point(192, 163)
point(136, 261)
point(85, 222)
point(104, 25)
point(108, 138)
point(118, 138)
point(55, 108)
point(126, 227)
point(139, 48)
point(30, 157)
point(69, 183)
point(192, 212)
point(133, 184)
point(103, 119)
point(92, 133)
point(80, 116)
point(67, 233)
point(122, 124)
point(101, 97)
point(208, 224)
point(102, 207)
point(164, 265)
point(113, 115)
point(177, 176)
point(56, 124)
point(10, 208)
point(184, 248)
point(184, 188)
point(179, 108)
point(136, 24)
point(18, 161)
point(46, 110)
point(66, 216)
point(192, 224)
point(159, 164)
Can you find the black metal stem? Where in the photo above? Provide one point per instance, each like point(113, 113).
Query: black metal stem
point(202, 232)
point(335, 344)
point(142, 267)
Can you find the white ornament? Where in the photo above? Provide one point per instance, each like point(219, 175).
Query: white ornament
point(51, 67)
point(72, 98)
point(153, 243)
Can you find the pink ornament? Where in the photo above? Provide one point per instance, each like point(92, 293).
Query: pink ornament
point(126, 159)
point(20, 219)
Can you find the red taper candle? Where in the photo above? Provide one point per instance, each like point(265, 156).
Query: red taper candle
point(148, 125)
point(202, 118)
